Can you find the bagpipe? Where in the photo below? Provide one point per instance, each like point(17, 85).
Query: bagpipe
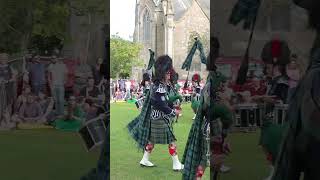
point(188, 61)
point(139, 102)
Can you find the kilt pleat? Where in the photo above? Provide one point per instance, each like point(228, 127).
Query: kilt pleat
point(160, 132)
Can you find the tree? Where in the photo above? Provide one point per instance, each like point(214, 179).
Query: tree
point(88, 8)
point(22, 20)
point(123, 56)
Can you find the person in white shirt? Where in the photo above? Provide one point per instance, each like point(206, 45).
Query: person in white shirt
point(128, 87)
point(57, 78)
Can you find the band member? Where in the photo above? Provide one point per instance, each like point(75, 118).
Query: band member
point(196, 93)
point(174, 95)
point(299, 151)
point(154, 124)
point(197, 152)
point(145, 83)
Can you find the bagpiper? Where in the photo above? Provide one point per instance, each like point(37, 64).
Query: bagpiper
point(154, 124)
point(146, 84)
point(174, 95)
point(196, 79)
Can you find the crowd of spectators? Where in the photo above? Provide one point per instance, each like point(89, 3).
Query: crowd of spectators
point(50, 88)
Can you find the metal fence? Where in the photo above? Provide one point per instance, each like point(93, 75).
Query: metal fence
point(252, 115)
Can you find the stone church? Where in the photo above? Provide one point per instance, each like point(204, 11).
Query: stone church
point(166, 27)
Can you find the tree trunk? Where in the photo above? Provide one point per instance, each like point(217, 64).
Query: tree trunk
point(89, 37)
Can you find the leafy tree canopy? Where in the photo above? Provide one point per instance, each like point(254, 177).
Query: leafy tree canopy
point(123, 56)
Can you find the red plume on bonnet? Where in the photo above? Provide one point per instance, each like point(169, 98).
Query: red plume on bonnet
point(276, 48)
point(196, 78)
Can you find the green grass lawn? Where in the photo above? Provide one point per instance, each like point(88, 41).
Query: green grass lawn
point(43, 154)
point(247, 160)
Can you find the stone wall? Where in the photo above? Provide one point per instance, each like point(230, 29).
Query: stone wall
point(193, 20)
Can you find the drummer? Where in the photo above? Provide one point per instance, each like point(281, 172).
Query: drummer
point(276, 93)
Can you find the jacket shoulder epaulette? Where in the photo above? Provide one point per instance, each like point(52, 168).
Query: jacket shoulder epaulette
point(161, 88)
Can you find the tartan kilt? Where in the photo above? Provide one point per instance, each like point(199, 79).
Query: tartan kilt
point(161, 132)
point(195, 105)
point(204, 149)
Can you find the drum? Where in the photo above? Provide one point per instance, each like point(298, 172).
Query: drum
point(280, 111)
point(187, 98)
point(93, 133)
point(246, 115)
point(139, 103)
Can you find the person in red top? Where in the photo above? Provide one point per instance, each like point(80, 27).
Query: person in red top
point(257, 87)
point(71, 66)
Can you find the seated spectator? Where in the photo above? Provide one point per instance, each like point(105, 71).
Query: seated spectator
point(91, 91)
point(29, 112)
point(93, 110)
point(22, 99)
point(74, 118)
point(46, 104)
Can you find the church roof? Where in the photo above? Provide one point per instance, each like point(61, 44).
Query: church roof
point(181, 6)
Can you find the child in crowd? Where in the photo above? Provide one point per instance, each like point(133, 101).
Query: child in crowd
point(46, 104)
point(74, 118)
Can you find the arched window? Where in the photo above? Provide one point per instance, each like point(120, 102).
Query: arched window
point(146, 26)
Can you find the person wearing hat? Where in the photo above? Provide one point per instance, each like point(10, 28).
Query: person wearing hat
point(154, 124)
point(145, 88)
point(146, 83)
point(196, 93)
